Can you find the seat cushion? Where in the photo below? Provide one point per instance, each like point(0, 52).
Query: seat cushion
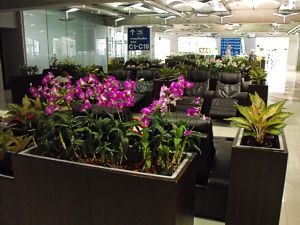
point(143, 86)
point(222, 107)
point(227, 90)
point(198, 89)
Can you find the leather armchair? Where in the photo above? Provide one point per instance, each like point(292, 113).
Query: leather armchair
point(144, 89)
point(228, 91)
point(200, 79)
point(121, 75)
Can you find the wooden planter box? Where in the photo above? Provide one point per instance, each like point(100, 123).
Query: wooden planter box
point(58, 192)
point(256, 183)
point(10, 206)
point(261, 89)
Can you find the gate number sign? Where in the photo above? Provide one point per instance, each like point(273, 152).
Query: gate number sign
point(138, 38)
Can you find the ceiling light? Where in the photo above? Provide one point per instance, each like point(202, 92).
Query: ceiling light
point(119, 19)
point(170, 17)
point(158, 5)
point(72, 10)
point(201, 15)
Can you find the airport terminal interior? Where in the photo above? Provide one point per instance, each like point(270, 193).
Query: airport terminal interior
point(178, 36)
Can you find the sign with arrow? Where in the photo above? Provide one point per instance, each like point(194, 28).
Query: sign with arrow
point(138, 38)
point(234, 44)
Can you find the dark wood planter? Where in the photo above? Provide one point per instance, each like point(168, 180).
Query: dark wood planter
point(20, 86)
point(62, 192)
point(10, 205)
point(256, 183)
point(213, 84)
point(6, 164)
point(261, 89)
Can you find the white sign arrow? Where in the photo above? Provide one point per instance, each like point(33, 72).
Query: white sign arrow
point(132, 31)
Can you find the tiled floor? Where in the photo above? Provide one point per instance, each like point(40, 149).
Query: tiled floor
point(288, 89)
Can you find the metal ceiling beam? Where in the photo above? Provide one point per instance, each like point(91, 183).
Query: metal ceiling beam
point(15, 5)
point(168, 9)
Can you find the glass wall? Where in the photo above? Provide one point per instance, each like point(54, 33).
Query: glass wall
point(198, 45)
point(78, 36)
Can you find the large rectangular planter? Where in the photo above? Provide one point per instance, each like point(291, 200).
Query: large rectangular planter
point(256, 183)
point(10, 207)
point(58, 192)
point(261, 89)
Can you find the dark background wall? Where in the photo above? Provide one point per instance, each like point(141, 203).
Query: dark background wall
point(11, 47)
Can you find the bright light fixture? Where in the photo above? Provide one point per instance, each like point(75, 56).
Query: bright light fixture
point(72, 10)
point(170, 17)
point(119, 19)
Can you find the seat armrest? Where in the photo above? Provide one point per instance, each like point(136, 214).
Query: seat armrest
point(243, 98)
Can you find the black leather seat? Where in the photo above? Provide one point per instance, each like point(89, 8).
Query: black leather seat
point(121, 75)
point(228, 91)
point(200, 79)
point(144, 89)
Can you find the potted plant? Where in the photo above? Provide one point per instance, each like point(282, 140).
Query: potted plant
point(258, 164)
point(258, 82)
point(106, 161)
point(15, 133)
point(165, 77)
point(28, 70)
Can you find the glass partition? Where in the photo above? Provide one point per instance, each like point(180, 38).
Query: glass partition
point(78, 36)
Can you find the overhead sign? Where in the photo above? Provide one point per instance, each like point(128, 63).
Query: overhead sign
point(138, 38)
point(233, 43)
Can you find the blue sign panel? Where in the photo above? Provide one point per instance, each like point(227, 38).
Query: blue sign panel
point(233, 43)
point(138, 38)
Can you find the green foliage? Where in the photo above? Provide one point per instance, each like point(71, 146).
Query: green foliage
point(10, 142)
point(183, 69)
point(168, 73)
point(68, 66)
point(259, 120)
point(115, 64)
point(258, 74)
point(28, 70)
point(23, 116)
point(163, 144)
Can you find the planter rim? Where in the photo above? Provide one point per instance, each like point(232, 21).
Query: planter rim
point(6, 177)
point(281, 138)
point(178, 172)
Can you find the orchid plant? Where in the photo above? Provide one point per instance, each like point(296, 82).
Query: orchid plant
point(167, 139)
point(68, 125)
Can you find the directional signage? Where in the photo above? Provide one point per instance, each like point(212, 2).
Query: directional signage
point(138, 38)
point(234, 43)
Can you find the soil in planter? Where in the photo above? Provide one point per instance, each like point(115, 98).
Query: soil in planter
point(134, 165)
point(270, 142)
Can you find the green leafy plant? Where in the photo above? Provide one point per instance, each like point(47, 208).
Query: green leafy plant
point(168, 73)
point(115, 64)
point(163, 144)
point(258, 75)
point(28, 70)
point(183, 69)
point(260, 120)
point(10, 142)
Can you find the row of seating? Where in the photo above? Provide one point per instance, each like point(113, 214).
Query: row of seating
point(217, 103)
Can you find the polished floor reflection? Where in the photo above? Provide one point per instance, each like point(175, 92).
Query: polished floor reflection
point(287, 88)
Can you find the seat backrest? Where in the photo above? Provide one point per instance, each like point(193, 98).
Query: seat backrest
point(147, 75)
point(121, 75)
point(197, 75)
point(200, 79)
point(230, 78)
point(228, 85)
